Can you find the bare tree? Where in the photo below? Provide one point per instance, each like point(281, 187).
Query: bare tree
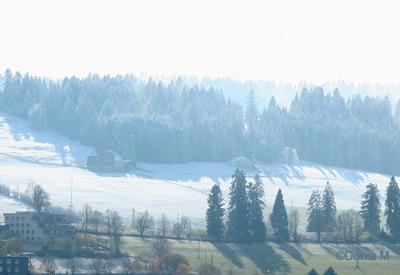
point(144, 222)
point(109, 266)
point(160, 247)
point(72, 265)
point(177, 229)
point(349, 225)
point(97, 220)
point(163, 225)
point(40, 198)
point(97, 266)
point(48, 265)
point(13, 246)
point(115, 229)
point(128, 266)
point(133, 221)
point(86, 215)
point(107, 221)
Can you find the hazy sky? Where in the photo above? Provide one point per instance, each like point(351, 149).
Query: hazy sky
point(280, 40)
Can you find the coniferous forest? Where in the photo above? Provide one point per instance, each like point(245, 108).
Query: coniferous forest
point(165, 123)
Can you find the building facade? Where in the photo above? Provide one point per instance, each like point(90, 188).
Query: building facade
point(37, 228)
point(15, 265)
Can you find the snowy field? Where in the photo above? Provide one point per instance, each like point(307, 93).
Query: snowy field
point(54, 161)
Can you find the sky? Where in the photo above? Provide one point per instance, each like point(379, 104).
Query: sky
point(281, 40)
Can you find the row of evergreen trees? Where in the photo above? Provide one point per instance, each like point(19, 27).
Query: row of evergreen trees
point(155, 122)
point(245, 215)
point(322, 211)
point(245, 218)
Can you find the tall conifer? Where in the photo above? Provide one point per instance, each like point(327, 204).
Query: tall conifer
point(215, 213)
point(257, 225)
point(279, 219)
point(392, 210)
point(238, 224)
point(371, 209)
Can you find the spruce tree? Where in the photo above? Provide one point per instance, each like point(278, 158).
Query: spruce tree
point(257, 227)
point(328, 209)
point(371, 209)
point(215, 213)
point(238, 224)
point(315, 222)
point(392, 210)
point(313, 272)
point(279, 219)
point(330, 271)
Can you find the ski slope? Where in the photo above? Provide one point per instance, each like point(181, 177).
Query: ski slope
point(55, 162)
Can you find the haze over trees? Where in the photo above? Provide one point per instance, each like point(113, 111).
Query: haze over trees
point(154, 122)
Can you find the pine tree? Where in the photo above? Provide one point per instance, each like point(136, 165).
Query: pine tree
point(279, 219)
point(371, 209)
point(238, 224)
point(330, 271)
point(315, 223)
point(251, 112)
point(313, 272)
point(251, 117)
point(215, 213)
point(257, 225)
point(392, 208)
point(328, 209)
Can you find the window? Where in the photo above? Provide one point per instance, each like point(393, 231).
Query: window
point(16, 261)
point(17, 225)
point(8, 261)
point(27, 224)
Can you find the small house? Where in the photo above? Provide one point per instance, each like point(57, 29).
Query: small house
point(108, 161)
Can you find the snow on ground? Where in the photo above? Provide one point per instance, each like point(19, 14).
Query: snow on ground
point(8, 205)
point(54, 161)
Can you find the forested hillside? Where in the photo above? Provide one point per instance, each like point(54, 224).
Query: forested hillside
point(154, 122)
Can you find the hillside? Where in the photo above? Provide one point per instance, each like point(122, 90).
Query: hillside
point(54, 161)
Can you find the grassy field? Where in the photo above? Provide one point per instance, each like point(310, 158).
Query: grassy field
point(277, 258)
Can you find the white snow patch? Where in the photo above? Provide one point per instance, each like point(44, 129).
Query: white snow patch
point(53, 161)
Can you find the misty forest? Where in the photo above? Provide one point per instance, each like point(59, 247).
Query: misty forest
point(153, 122)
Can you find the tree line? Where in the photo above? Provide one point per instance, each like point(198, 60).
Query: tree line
point(243, 219)
point(155, 122)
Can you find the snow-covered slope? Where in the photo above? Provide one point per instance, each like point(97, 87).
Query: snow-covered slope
point(54, 161)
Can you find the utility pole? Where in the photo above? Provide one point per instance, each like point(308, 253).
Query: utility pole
point(70, 202)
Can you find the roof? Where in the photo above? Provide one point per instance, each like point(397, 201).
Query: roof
point(34, 213)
